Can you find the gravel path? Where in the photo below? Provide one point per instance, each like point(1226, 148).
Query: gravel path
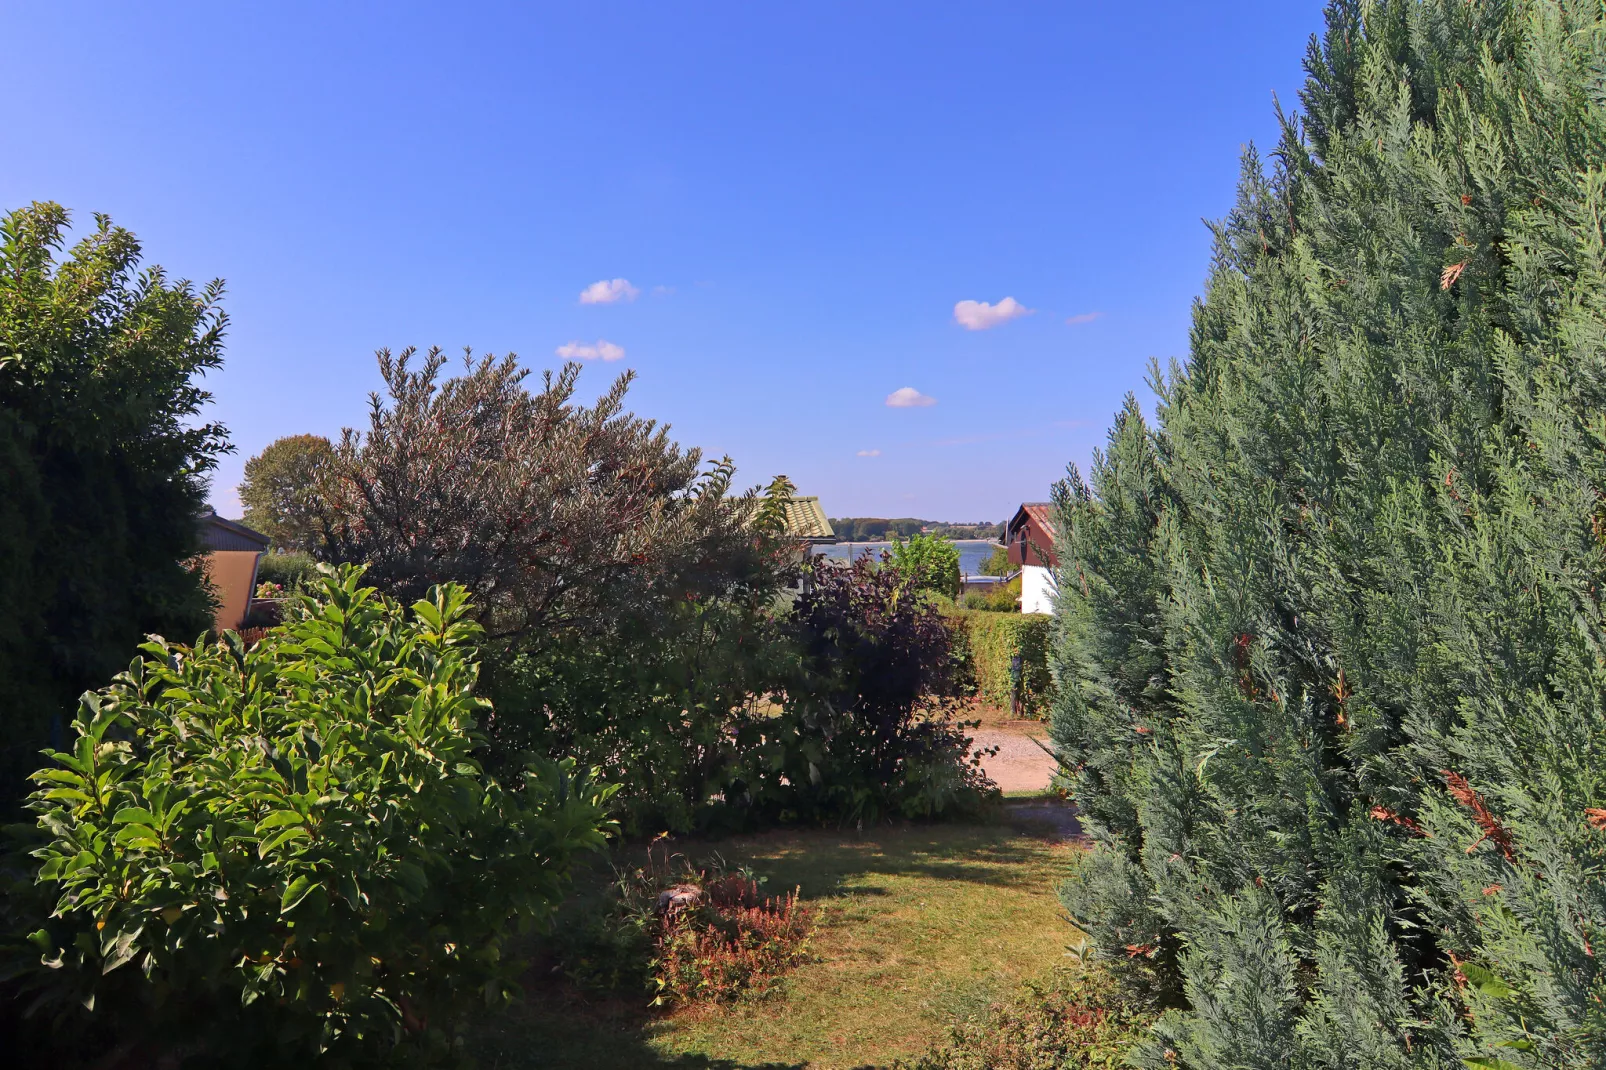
point(1020, 764)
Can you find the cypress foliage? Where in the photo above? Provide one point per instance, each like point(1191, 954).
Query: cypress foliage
point(1331, 650)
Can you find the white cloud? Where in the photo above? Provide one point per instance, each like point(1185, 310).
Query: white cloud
point(979, 315)
point(907, 397)
point(869, 453)
point(1085, 317)
point(602, 350)
point(607, 291)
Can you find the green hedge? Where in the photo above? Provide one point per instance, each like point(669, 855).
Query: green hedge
point(1005, 598)
point(293, 572)
point(987, 641)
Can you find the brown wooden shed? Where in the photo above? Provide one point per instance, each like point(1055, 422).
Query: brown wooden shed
point(230, 555)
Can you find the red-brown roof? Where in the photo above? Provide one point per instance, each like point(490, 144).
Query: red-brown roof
point(1037, 518)
point(1042, 512)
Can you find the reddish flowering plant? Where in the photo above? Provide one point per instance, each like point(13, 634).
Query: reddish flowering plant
point(704, 932)
point(730, 943)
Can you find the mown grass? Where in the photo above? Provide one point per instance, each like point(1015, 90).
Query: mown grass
point(920, 926)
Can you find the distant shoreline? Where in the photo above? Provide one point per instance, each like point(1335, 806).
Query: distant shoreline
point(889, 542)
point(972, 552)
point(885, 529)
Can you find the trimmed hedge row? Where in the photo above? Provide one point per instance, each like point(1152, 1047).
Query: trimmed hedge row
point(293, 572)
point(987, 642)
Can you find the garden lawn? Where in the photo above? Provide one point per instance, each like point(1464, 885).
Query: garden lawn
point(919, 926)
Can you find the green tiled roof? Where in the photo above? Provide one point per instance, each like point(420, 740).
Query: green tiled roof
point(806, 520)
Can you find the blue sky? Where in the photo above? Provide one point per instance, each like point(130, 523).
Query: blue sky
point(800, 196)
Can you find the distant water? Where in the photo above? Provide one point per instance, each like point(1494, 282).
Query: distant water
point(972, 552)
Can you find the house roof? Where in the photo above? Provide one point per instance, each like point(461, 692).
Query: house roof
point(1041, 512)
point(805, 519)
point(1031, 534)
point(219, 533)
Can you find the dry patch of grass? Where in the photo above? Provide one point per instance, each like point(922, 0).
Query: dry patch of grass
point(920, 926)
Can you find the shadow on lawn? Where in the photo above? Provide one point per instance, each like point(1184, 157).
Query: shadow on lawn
point(543, 1034)
point(554, 1026)
point(1006, 853)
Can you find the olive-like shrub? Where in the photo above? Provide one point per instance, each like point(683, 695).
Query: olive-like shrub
point(290, 852)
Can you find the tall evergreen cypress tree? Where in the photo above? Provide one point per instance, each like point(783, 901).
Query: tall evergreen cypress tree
point(1331, 639)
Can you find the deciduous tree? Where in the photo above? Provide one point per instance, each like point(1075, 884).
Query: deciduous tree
point(282, 495)
point(552, 513)
point(927, 563)
point(628, 593)
point(103, 463)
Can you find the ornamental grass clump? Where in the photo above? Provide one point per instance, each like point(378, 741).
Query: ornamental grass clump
point(290, 853)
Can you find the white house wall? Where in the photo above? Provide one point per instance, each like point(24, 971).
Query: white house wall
point(1036, 589)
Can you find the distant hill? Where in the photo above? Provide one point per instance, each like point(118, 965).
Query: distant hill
point(880, 528)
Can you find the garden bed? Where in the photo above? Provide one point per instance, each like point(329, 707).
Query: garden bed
point(920, 927)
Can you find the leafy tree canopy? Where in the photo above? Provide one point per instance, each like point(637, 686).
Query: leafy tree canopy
point(866, 729)
point(281, 491)
point(876, 529)
point(550, 512)
point(998, 563)
point(103, 460)
point(927, 563)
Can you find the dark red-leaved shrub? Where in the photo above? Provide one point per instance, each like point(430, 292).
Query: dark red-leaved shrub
point(868, 730)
